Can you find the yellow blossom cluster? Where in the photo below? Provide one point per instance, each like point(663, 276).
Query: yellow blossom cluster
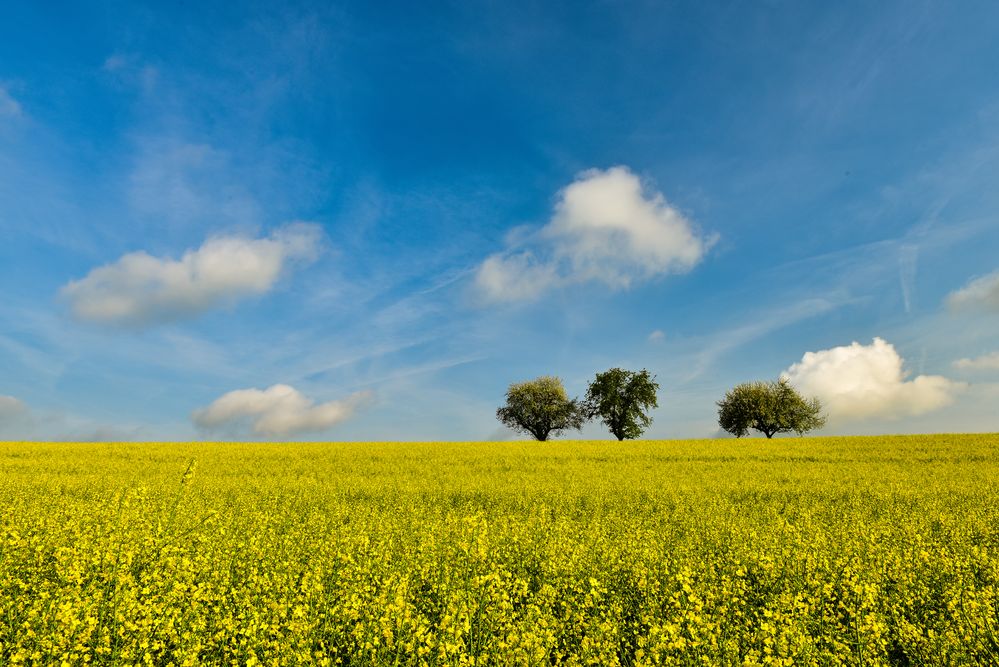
point(801, 551)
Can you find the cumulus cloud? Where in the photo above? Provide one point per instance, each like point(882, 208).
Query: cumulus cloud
point(140, 290)
point(979, 294)
point(277, 411)
point(986, 362)
point(657, 336)
point(606, 228)
point(867, 381)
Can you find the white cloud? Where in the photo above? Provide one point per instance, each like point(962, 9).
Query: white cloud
point(279, 410)
point(139, 290)
point(867, 381)
point(986, 362)
point(8, 105)
point(606, 228)
point(979, 294)
point(517, 277)
point(614, 232)
point(657, 336)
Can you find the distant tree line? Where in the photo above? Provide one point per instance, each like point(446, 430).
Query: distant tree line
point(622, 400)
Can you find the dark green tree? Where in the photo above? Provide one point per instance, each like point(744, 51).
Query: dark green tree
point(622, 400)
point(770, 408)
point(541, 408)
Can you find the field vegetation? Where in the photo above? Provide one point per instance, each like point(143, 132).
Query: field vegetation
point(795, 551)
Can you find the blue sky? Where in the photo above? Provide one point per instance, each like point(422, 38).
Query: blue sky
point(359, 221)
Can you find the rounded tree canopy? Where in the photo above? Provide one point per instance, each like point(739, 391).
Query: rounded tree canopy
point(770, 408)
point(541, 408)
point(621, 399)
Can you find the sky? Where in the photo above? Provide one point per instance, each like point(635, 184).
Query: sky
point(364, 220)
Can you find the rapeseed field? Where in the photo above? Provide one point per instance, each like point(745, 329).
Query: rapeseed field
point(800, 551)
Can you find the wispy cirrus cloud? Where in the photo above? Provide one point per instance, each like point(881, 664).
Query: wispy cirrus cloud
point(189, 183)
point(9, 106)
point(715, 346)
point(139, 290)
point(607, 228)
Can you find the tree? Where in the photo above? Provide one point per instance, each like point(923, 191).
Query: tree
point(621, 399)
point(542, 408)
point(768, 407)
